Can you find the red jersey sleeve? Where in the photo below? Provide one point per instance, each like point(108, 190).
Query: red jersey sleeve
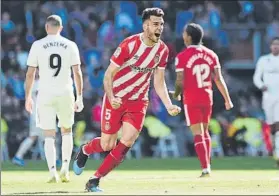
point(164, 59)
point(121, 54)
point(180, 62)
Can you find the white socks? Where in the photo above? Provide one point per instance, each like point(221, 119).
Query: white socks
point(24, 147)
point(67, 149)
point(276, 145)
point(209, 168)
point(50, 153)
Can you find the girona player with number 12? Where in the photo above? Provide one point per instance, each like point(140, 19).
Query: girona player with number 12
point(194, 67)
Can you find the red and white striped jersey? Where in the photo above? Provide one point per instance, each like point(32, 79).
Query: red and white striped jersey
point(137, 62)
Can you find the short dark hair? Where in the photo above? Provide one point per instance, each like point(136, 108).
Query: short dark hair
point(151, 12)
point(54, 20)
point(196, 32)
point(273, 39)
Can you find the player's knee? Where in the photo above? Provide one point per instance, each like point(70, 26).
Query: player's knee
point(107, 146)
point(127, 143)
point(34, 138)
point(49, 133)
point(197, 132)
point(197, 129)
point(66, 130)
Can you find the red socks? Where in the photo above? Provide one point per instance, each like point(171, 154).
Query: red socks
point(201, 151)
point(112, 160)
point(94, 146)
point(207, 140)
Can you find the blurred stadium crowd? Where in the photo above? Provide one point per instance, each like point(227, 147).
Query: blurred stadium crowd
point(98, 27)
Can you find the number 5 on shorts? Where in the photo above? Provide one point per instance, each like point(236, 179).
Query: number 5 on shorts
point(108, 114)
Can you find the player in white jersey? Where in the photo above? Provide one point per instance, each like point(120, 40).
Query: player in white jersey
point(34, 132)
point(266, 78)
point(55, 56)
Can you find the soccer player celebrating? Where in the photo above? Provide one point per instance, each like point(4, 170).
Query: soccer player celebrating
point(266, 78)
point(126, 84)
point(55, 56)
point(195, 66)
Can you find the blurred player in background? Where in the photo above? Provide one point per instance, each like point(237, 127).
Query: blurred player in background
point(34, 134)
point(55, 56)
point(195, 67)
point(266, 78)
point(126, 84)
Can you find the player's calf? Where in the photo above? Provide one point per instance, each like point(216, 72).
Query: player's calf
point(200, 146)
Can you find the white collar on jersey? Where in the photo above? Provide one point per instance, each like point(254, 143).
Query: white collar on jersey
point(273, 56)
point(140, 35)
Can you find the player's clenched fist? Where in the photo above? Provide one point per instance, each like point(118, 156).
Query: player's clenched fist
point(228, 105)
point(79, 104)
point(29, 105)
point(115, 102)
point(173, 110)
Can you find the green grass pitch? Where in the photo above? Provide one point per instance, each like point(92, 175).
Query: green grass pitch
point(230, 176)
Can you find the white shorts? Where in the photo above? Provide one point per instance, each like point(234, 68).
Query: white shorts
point(50, 107)
point(33, 129)
point(271, 110)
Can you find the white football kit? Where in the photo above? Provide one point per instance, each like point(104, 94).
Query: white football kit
point(54, 55)
point(267, 74)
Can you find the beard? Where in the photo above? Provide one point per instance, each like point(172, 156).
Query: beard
point(152, 37)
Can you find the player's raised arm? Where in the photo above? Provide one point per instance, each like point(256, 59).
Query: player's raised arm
point(221, 85)
point(32, 63)
point(75, 62)
point(257, 78)
point(161, 87)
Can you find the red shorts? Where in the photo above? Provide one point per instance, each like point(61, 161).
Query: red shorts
point(197, 114)
point(132, 112)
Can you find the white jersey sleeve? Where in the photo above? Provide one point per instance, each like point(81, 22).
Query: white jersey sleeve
point(75, 58)
point(258, 75)
point(32, 59)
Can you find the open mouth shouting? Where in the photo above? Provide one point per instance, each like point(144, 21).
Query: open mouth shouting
point(157, 35)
